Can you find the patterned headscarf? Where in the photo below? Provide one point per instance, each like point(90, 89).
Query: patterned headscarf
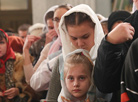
point(9, 54)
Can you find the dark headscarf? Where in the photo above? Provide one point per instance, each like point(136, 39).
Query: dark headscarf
point(117, 16)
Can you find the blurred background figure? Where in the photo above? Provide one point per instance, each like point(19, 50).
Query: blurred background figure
point(51, 34)
point(10, 31)
point(22, 30)
point(116, 18)
point(104, 22)
point(36, 30)
point(16, 43)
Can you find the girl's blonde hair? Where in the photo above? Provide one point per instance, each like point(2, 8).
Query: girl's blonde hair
point(77, 58)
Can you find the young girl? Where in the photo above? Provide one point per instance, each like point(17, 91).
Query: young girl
point(79, 28)
point(13, 87)
point(78, 78)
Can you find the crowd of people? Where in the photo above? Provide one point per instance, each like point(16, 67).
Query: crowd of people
point(75, 56)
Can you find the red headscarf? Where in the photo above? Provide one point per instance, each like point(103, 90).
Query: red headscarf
point(9, 54)
point(16, 43)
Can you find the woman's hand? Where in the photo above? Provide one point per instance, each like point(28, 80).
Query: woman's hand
point(121, 33)
point(30, 39)
point(1, 94)
point(50, 35)
point(11, 93)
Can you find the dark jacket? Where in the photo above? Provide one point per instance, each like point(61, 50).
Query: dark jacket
point(110, 59)
point(129, 83)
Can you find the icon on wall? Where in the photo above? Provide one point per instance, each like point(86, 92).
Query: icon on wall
point(122, 5)
point(6, 5)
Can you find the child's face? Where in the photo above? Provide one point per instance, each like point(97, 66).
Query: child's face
point(77, 80)
point(3, 47)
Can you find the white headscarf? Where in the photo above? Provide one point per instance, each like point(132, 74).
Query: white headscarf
point(65, 92)
point(67, 47)
point(44, 17)
point(50, 9)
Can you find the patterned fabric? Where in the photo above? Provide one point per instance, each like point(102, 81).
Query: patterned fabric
point(6, 79)
point(9, 74)
point(2, 82)
point(9, 54)
point(3, 71)
point(12, 75)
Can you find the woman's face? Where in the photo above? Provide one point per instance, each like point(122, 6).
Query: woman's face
point(50, 24)
point(57, 16)
point(3, 47)
point(82, 36)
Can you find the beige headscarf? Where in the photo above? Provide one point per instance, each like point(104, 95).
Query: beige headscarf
point(67, 47)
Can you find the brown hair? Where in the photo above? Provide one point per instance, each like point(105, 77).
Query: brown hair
point(2, 35)
point(24, 27)
point(78, 18)
point(49, 15)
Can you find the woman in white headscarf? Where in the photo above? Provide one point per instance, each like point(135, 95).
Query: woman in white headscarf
point(79, 28)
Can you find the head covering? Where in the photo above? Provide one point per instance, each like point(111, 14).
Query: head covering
point(83, 51)
point(104, 20)
point(16, 43)
point(65, 95)
point(67, 46)
point(36, 29)
point(100, 17)
point(57, 44)
point(117, 16)
point(44, 18)
point(9, 55)
point(50, 9)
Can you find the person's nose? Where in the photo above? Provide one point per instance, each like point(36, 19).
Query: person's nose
point(80, 43)
point(76, 83)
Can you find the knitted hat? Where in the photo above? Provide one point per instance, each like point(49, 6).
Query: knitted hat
point(36, 29)
point(117, 16)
